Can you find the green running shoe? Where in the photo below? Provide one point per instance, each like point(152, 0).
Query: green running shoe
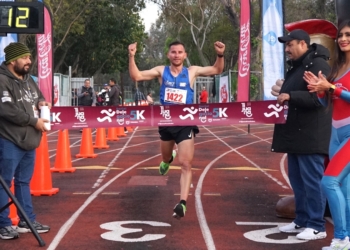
point(164, 167)
point(179, 211)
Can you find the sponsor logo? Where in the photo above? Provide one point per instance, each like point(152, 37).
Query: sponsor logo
point(247, 110)
point(244, 64)
point(80, 115)
point(44, 48)
point(165, 113)
point(192, 111)
point(109, 114)
point(277, 108)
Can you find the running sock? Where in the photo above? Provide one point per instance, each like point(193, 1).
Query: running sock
point(183, 202)
point(171, 159)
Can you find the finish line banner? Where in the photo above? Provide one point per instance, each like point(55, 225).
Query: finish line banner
point(214, 114)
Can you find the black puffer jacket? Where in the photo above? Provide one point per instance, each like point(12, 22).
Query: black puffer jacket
point(308, 126)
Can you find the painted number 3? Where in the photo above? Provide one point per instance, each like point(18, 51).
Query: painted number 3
point(117, 231)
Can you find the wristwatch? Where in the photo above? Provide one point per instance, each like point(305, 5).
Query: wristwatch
point(331, 89)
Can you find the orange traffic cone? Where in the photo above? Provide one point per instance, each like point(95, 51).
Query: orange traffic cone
point(41, 183)
point(112, 134)
point(129, 129)
point(101, 140)
point(63, 161)
point(86, 149)
point(13, 210)
point(120, 132)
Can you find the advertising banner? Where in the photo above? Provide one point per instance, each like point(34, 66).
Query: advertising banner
point(45, 54)
point(56, 91)
point(243, 82)
point(214, 114)
point(224, 94)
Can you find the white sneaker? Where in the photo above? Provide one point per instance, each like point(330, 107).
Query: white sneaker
point(338, 244)
point(291, 228)
point(311, 234)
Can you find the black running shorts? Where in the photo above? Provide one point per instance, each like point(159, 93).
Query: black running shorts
point(177, 133)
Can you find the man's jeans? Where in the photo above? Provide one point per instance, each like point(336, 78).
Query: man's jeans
point(18, 163)
point(305, 173)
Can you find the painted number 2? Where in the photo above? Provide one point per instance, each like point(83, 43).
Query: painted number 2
point(117, 231)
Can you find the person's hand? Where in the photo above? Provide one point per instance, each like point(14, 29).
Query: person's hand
point(132, 49)
point(310, 78)
point(282, 98)
point(316, 83)
point(44, 103)
point(275, 89)
point(219, 48)
point(40, 124)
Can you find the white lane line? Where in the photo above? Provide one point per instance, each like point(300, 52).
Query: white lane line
point(282, 165)
point(199, 207)
point(69, 223)
point(198, 202)
point(111, 164)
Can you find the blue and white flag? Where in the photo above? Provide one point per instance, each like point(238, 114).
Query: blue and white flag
point(273, 51)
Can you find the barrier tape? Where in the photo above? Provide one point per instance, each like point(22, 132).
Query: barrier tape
point(213, 114)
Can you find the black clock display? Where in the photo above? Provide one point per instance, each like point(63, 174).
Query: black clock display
point(22, 17)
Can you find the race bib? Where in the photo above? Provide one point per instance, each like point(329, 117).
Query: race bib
point(175, 95)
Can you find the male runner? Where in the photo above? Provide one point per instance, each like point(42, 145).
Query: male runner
point(177, 88)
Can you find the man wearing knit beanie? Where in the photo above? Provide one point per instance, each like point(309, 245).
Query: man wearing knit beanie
point(20, 134)
point(15, 51)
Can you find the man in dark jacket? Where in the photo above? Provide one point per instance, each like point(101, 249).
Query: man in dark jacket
point(114, 93)
point(87, 95)
point(20, 134)
point(305, 135)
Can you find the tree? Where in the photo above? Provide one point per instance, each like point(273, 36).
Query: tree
point(197, 15)
point(92, 35)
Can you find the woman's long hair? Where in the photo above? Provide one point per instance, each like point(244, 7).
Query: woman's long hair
point(339, 56)
point(339, 59)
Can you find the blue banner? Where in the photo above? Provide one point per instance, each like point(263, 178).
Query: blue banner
point(273, 51)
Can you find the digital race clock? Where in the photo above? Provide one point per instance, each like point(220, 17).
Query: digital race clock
point(22, 17)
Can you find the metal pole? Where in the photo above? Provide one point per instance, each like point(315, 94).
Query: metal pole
point(20, 209)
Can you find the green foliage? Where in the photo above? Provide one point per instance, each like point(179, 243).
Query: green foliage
point(254, 87)
point(93, 35)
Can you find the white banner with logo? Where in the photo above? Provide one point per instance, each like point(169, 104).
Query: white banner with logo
point(273, 51)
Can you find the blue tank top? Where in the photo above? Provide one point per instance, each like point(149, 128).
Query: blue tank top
point(170, 84)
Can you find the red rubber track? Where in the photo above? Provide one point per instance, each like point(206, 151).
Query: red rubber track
point(237, 182)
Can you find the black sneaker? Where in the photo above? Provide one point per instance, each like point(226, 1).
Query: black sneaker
point(8, 233)
point(22, 227)
point(179, 211)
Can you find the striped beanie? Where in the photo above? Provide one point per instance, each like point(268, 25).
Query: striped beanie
point(13, 51)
